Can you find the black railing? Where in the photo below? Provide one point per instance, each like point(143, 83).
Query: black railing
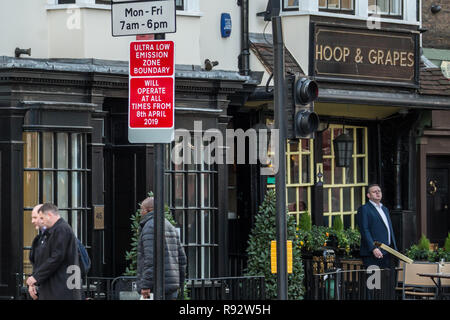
point(327, 279)
point(234, 288)
point(124, 288)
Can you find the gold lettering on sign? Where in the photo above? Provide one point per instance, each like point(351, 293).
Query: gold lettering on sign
point(411, 59)
point(373, 56)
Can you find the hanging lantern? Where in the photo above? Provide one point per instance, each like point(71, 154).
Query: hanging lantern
point(343, 150)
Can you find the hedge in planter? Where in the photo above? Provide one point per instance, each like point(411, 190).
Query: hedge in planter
point(258, 250)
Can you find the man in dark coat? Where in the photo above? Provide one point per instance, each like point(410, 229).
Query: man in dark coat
point(175, 258)
point(58, 274)
point(375, 225)
point(36, 246)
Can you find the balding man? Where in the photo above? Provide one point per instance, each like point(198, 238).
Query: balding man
point(35, 246)
point(175, 258)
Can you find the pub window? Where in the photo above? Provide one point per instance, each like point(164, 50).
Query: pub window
point(55, 170)
point(338, 6)
point(191, 195)
point(386, 8)
point(344, 188)
point(299, 176)
point(65, 1)
point(290, 5)
point(179, 4)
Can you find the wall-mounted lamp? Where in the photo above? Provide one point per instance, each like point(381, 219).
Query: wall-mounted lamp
point(435, 8)
point(19, 51)
point(343, 150)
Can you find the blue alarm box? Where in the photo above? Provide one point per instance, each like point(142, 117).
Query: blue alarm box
point(225, 25)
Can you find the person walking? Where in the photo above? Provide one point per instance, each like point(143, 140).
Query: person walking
point(375, 225)
point(175, 257)
point(35, 246)
point(58, 255)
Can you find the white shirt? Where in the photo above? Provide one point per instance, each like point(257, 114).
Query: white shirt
point(383, 217)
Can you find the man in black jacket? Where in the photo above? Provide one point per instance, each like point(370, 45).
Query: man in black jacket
point(59, 259)
point(175, 258)
point(36, 245)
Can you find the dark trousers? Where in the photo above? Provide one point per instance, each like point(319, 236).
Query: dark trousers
point(389, 276)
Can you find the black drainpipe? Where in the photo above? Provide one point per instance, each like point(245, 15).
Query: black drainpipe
point(244, 57)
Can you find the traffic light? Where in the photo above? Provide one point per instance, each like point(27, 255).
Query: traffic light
point(302, 121)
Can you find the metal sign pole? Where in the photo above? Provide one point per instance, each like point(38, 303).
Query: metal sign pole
point(158, 271)
point(280, 177)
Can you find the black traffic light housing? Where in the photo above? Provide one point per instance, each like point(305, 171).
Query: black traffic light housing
point(302, 120)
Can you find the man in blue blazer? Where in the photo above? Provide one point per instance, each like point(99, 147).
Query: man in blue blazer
point(375, 225)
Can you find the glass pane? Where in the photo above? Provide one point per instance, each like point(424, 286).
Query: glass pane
point(326, 142)
point(293, 147)
point(325, 201)
point(346, 199)
point(306, 170)
point(192, 227)
point(360, 170)
point(207, 262)
point(338, 178)
point(47, 150)
point(62, 141)
point(77, 182)
point(191, 190)
point(63, 190)
point(349, 174)
point(179, 218)
point(292, 199)
point(322, 3)
point(327, 171)
point(360, 141)
point(64, 214)
point(206, 188)
point(335, 199)
point(290, 3)
point(372, 6)
point(192, 262)
point(47, 192)
point(333, 4)
point(77, 223)
point(179, 190)
point(305, 144)
point(358, 197)
point(77, 151)
point(31, 150)
point(293, 160)
point(396, 7)
point(347, 4)
point(347, 221)
point(303, 199)
point(383, 6)
point(206, 226)
point(30, 188)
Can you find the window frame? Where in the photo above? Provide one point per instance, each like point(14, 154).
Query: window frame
point(332, 185)
point(181, 6)
point(83, 211)
point(340, 10)
point(289, 8)
point(202, 251)
point(387, 16)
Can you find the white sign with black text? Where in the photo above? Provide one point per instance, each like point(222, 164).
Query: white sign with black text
point(142, 17)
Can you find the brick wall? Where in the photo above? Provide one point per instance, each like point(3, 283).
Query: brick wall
point(438, 34)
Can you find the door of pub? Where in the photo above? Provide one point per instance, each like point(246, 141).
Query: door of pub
point(438, 196)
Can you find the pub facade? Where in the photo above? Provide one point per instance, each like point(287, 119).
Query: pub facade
point(64, 126)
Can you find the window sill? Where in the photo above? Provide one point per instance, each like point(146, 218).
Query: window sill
point(345, 16)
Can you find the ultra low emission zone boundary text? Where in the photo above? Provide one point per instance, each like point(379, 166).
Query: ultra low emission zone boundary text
point(226, 309)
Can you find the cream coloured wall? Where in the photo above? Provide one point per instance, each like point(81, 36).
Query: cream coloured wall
point(23, 24)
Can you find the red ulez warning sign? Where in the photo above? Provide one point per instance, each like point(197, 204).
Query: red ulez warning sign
point(151, 58)
point(151, 102)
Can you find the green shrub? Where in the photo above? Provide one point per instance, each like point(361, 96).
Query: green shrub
point(424, 243)
point(447, 243)
point(258, 250)
point(338, 225)
point(305, 222)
